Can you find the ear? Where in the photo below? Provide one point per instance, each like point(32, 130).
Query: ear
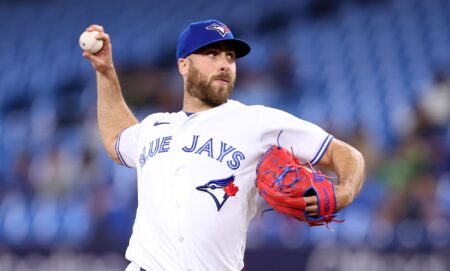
point(183, 66)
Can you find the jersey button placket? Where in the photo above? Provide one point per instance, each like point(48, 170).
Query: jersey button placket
point(178, 198)
point(179, 184)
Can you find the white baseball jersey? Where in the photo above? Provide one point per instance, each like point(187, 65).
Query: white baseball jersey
point(196, 181)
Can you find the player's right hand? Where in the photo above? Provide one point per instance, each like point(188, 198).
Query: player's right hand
point(102, 60)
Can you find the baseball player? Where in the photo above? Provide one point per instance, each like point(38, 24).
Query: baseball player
point(196, 167)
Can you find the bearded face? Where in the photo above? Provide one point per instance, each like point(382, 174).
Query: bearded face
point(213, 91)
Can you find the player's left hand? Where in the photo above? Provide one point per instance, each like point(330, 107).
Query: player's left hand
point(343, 199)
point(311, 205)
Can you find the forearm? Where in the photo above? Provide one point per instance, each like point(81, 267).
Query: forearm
point(113, 113)
point(348, 164)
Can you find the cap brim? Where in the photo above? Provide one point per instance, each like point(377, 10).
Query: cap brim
point(240, 47)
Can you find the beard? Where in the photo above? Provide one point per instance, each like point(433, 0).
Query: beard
point(198, 86)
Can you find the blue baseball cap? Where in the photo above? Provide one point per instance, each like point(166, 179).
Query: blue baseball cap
point(201, 34)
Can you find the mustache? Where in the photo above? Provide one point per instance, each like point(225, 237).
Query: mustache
point(222, 76)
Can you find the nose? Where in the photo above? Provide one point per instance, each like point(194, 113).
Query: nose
point(224, 62)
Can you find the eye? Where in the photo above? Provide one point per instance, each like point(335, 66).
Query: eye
point(211, 53)
point(231, 55)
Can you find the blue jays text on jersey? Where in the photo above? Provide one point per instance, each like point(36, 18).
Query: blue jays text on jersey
point(200, 146)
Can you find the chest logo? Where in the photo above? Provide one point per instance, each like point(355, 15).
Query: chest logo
point(220, 190)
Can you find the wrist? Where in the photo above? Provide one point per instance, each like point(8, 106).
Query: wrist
point(107, 71)
point(345, 195)
point(350, 192)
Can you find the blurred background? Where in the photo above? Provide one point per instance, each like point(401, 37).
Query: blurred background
point(373, 73)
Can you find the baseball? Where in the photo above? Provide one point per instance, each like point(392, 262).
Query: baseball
point(89, 43)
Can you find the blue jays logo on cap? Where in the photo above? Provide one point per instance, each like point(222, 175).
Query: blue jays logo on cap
point(204, 33)
point(222, 29)
point(220, 190)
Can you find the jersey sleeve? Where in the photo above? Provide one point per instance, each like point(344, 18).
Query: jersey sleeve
point(307, 140)
point(127, 144)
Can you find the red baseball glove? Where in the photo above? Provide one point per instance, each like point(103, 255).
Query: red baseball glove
point(283, 182)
